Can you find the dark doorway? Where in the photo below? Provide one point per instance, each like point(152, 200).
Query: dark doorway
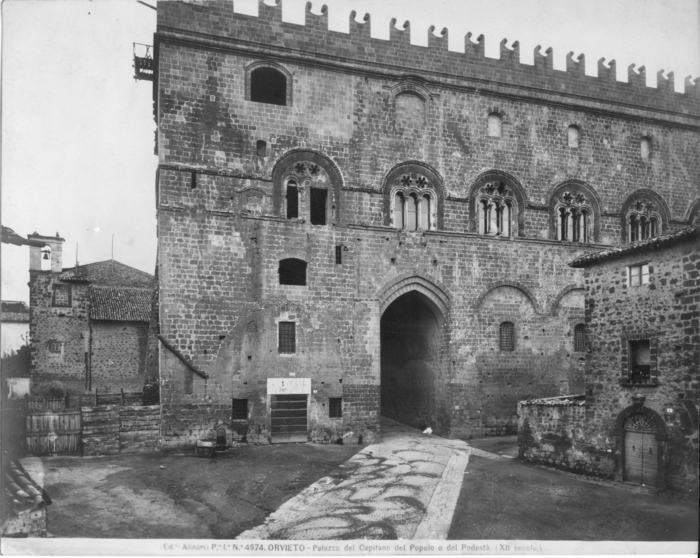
point(288, 415)
point(410, 342)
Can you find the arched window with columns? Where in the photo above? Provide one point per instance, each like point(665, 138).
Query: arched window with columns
point(644, 215)
point(413, 197)
point(496, 204)
point(574, 210)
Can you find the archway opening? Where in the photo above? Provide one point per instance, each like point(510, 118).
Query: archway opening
point(410, 334)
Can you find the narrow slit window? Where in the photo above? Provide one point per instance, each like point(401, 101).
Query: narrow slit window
point(335, 407)
point(292, 199)
point(425, 212)
point(399, 211)
point(287, 337)
point(579, 338)
point(338, 255)
point(239, 409)
point(507, 336)
point(411, 222)
point(318, 206)
point(645, 149)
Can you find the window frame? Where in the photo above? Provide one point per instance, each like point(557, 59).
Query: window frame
point(642, 267)
point(335, 407)
point(272, 65)
point(280, 334)
point(580, 338)
point(58, 347)
point(510, 345)
point(287, 263)
point(69, 290)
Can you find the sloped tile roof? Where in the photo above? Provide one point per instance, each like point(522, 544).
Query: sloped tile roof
point(14, 311)
point(120, 304)
point(648, 245)
point(110, 273)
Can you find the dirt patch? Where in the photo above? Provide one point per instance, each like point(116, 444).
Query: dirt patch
point(175, 496)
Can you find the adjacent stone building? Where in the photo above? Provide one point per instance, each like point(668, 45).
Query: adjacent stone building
point(351, 227)
point(88, 324)
point(638, 420)
point(14, 331)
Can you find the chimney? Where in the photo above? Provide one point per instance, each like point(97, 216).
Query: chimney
point(36, 254)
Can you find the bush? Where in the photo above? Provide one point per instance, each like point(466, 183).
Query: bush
point(53, 389)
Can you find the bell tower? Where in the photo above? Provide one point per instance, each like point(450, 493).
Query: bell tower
point(48, 258)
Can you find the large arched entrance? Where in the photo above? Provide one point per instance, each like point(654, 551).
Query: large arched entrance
point(411, 336)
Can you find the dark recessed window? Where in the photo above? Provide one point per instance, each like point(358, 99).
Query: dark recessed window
point(507, 336)
point(239, 409)
point(54, 346)
point(268, 85)
point(287, 337)
point(292, 272)
point(335, 407)
point(338, 255)
point(640, 361)
point(292, 199)
point(261, 148)
point(579, 338)
point(318, 206)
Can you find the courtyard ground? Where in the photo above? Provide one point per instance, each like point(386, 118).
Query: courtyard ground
point(180, 496)
point(380, 493)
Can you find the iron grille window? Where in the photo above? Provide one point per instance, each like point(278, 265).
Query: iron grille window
point(239, 409)
point(288, 337)
point(335, 407)
point(338, 255)
point(579, 338)
point(507, 336)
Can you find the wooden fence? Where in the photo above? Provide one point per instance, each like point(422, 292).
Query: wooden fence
point(54, 432)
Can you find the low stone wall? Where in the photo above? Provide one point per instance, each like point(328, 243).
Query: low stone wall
point(112, 429)
point(139, 428)
point(100, 427)
point(551, 432)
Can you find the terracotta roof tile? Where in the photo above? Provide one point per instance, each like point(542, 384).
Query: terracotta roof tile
point(650, 244)
point(110, 273)
point(120, 304)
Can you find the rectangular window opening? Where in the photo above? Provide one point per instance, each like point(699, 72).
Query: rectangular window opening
point(318, 206)
point(335, 407)
point(54, 346)
point(261, 148)
point(638, 275)
point(239, 409)
point(338, 255)
point(640, 361)
point(62, 295)
point(292, 202)
point(287, 338)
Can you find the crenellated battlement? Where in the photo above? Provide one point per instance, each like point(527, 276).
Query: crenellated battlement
point(215, 20)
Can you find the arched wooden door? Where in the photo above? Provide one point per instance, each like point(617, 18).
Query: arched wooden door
point(641, 450)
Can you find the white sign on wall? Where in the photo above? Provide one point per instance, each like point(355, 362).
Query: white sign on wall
point(283, 386)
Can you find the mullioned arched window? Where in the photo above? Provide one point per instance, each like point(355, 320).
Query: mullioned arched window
point(413, 202)
point(497, 209)
point(574, 217)
point(643, 221)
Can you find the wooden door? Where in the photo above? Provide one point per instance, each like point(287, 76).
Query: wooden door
point(289, 418)
point(641, 450)
point(54, 432)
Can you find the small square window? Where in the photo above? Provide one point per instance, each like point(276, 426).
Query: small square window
point(240, 409)
point(54, 346)
point(335, 407)
point(287, 338)
point(638, 275)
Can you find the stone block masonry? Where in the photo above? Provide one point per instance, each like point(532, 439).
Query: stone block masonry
point(391, 132)
point(112, 429)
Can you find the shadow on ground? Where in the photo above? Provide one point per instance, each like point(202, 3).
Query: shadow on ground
point(131, 496)
point(512, 500)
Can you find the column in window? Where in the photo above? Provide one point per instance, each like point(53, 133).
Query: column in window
point(425, 212)
point(292, 199)
point(411, 217)
point(399, 210)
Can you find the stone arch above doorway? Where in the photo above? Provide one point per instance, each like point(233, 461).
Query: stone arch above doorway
point(437, 295)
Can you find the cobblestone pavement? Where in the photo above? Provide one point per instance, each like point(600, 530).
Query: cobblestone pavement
point(406, 487)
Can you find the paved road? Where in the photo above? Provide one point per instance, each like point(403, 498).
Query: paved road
point(403, 488)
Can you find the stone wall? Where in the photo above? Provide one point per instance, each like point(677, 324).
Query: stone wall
point(69, 326)
point(118, 355)
point(666, 311)
point(112, 429)
point(222, 224)
point(551, 432)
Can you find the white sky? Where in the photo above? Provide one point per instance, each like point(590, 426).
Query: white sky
point(77, 130)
